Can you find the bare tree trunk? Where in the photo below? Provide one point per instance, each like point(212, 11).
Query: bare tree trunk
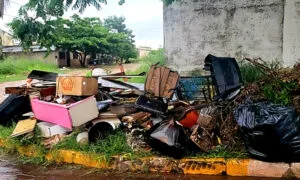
point(84, 59)
point(80, 59)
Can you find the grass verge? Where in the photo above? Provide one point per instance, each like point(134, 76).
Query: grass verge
point(113, 145)
point(17, 69)
point(156, 56)
point(104, 150)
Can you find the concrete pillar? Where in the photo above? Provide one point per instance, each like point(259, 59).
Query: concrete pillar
point(291, 33)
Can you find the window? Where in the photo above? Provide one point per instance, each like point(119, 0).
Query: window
point(62, 55)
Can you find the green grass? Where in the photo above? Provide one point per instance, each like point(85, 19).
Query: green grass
point(113, 145)
point(153, 57)
point(17, 69)
point(221, 152)
point(250, 73)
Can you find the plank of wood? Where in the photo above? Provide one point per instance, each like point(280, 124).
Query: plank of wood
point(139, 117)
point(24, 126)
point(165, 76)
point(107, 115)
point(171, 84)
point(157, 81)
point(149, 79)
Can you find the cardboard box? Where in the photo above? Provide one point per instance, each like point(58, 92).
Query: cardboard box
point(49, 129)
point(67, 116)
point(77, 85)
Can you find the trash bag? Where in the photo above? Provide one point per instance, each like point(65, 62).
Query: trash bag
point(167, 133)
point(13, 107)
point(176, 135)
point(271, 132)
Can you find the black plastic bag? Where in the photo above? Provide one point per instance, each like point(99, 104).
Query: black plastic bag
point(180, 139)
point(271, 132)
point(167, 133)
point(13, 107)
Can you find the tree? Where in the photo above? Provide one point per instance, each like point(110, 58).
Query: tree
point(117, 24)
point(79, 5)
point(81, 36)
point(40, 22)
point(124, 44)
point(121, 47)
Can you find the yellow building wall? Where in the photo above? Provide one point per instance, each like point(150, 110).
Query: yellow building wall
point(6, 39)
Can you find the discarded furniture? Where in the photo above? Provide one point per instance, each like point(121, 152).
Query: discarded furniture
point(159, 88)
point(225, 74)
point(42, 75)
point(195, 88)
point(68, 115)
point(161, 82)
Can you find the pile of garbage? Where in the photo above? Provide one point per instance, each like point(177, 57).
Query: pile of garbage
point(170, 113)
point(268, 114)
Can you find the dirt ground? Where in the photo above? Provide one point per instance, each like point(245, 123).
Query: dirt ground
point(74, 72)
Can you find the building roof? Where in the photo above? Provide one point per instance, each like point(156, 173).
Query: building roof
point(16, 49)
point(6, 32)
point(144, 48)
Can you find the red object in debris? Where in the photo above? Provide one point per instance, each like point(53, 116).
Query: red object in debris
point(190, 119)
point(28, 83)
point(122, 71)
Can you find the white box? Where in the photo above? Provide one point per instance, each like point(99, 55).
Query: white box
point(49, 129)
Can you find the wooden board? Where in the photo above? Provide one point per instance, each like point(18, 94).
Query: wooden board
point(23, 127)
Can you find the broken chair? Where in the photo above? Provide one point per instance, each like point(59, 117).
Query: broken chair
point(226, 76)
point(159, 88)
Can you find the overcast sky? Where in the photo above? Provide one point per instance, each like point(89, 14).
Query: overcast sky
point(144, 17)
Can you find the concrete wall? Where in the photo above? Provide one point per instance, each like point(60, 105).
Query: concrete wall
point(143, 51)
point(33, 55)
point(236, 28)
point(291, 32)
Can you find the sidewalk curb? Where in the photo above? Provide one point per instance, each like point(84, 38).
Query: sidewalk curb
point(194, 166)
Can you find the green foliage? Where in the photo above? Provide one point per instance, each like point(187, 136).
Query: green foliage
point(250, 73)
point(156, 56)
point(117, 24)
point(168, 2)
point(279, 92)
point(221, 151)
point(122, 41)
point(16, 69)
point(85, 35)
point(5, 132)
point(115, 144)
point(274, 90)
point(44, 8)
point(82, 36)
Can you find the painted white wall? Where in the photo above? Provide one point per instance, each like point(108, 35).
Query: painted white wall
point(236, 28)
